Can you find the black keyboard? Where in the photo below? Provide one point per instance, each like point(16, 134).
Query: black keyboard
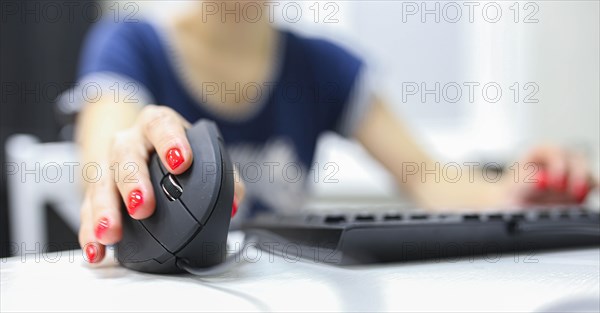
point(379, 236)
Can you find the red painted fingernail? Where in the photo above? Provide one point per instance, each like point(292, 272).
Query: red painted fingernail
point(135, 200)
point(91, 252)
point(101, 227)
point(234, 207)
point(580, 191)
point(541, 179)
point(174, 158)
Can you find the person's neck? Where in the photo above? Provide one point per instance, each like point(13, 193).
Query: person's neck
point(227, 34)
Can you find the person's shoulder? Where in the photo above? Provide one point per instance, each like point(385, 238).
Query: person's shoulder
point(125, 31)
point(126, 48)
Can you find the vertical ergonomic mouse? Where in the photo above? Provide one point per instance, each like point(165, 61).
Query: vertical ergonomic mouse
point(193, 211)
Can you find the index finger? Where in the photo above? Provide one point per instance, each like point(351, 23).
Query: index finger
point(164, 130)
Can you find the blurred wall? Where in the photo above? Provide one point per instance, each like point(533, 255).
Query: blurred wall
point(558, 53)
point(564, 57)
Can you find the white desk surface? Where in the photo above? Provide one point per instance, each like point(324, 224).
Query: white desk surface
point(545, 282)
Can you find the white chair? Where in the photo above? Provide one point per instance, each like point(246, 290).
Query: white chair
point(40, 174)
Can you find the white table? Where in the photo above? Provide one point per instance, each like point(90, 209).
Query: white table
point(554, 281)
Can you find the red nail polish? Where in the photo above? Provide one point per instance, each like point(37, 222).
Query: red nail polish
point(234, 207)
point(101, 227)
point(91, 252)
point(174, 158)
point(135, 200)
point(541, 180)
point(580, 191)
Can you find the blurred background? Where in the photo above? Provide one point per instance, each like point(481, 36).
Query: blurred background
point(543, 56)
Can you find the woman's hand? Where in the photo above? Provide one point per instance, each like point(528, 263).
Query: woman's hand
point(562, 176)
point(156, 128)
point(550, 175)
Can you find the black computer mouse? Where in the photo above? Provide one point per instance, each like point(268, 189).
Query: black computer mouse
point(193, 211)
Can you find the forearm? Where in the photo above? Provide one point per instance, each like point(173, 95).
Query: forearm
point(429, 183)
point(434, 184)
point(450, 186)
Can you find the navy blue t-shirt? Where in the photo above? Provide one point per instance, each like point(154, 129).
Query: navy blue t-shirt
point(314, 87)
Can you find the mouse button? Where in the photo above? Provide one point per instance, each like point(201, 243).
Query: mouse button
point(156, 168)
point(201, 182)
point(137, 245)
point(171, 224)
point(166, 266)
point(171, 187)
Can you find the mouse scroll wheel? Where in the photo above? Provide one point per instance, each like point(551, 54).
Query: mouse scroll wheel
point(171, 187)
